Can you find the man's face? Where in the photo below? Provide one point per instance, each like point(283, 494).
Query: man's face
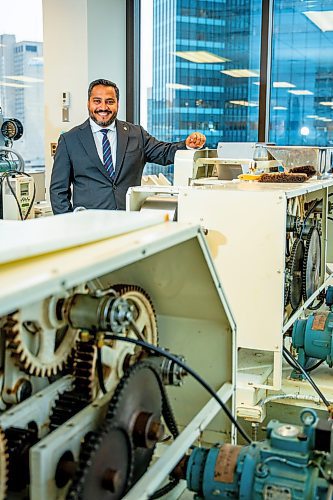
point(103, 105)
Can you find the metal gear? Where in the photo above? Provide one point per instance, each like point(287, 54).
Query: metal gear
point(105, 466)
point(18, 443)
point(115, 357)
point(72, 401)
point(37, 347)
point(144, 313)
point(294, 274)
point(311, 263)
point(137, 406)
point(3, 465)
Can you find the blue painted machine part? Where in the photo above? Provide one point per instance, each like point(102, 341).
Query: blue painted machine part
point(312, 337)
point(329, 296)
point(285, 466)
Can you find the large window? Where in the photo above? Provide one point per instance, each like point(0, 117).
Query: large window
point(21, 75)
point(302, 76)
point(199, 61)
point(200, 70)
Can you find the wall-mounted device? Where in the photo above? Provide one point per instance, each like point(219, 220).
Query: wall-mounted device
point(65, 106)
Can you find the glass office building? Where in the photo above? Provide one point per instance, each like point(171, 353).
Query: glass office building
point(198, 66)
point(207, 74)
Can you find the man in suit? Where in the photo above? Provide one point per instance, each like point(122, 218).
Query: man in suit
point(96, 162)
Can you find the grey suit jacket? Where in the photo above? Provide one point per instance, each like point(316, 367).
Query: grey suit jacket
point(80, 179)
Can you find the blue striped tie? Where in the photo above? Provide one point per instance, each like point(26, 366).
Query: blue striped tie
point(107, 156)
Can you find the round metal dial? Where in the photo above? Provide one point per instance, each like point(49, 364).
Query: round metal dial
point(12, 129)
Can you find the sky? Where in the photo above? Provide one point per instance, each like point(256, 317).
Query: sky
point(22, 18)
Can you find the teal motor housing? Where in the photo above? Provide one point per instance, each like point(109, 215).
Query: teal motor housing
point(313, 337)
point(294, 462)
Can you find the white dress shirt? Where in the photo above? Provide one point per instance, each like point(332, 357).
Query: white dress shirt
point(98, 137)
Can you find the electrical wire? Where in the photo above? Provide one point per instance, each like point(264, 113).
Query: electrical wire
point(100, 370)
point(308, 215)
point(185, 367)
point(293, 362)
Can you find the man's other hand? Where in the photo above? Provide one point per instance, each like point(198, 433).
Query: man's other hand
point(195, 140)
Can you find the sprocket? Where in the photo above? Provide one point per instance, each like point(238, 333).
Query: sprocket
point(38, 348)
point(3, 465)
point(72, 401)
point(105, 466)
point(137, 407)
point(294, 273)
point(114, 359)
point(311, 263)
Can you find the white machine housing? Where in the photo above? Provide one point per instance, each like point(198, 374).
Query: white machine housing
point(160, 257)
point(245, 226)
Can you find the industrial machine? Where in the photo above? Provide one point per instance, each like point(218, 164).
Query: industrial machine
point(17, 188)
point(292, 462)
point(103, 341)
point(272, 245)
point(98, 332)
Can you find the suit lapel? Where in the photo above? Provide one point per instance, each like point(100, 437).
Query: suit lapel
point(122, 139)
point(87, 139)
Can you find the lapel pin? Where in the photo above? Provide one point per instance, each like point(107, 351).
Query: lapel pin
point(125, 128)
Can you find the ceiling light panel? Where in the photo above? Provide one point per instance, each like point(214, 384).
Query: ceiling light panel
point(200, 56)
point(322, 19)
point(241, 73)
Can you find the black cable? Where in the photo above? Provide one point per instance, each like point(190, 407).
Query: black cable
point(293, 361)
point(314, 308)
point(14, 194)
point(100, 370)
point(197, 377)
point(314, 366)
point(307, 368)
point(308, 215)
point(330, 218)
point(6, 175)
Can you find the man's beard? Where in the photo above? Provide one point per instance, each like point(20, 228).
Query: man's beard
point(103, 123)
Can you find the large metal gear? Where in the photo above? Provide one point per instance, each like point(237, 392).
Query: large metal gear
point(3, 465)
point(115, 358)
point(294, 274)
point(38, 348)
point(105, 466)
point(137, 407)
point(311, 263)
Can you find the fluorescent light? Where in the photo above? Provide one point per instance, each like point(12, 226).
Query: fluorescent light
point(326, 103)
point(256, 83)
point(200, 56)
point(300, 92)
point(322, 19)
point(245, 103)
point(283, 85)
point(16, 85)
point(241, 73)
point(22, 78)
point(177, 86)
point(278, 108)
point(312, 116)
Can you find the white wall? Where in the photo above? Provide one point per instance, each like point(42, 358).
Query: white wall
point(83, 40)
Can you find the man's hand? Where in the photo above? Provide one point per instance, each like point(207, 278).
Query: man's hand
point(195, 140)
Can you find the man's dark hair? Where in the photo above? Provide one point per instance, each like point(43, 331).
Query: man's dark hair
point(106, 83)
